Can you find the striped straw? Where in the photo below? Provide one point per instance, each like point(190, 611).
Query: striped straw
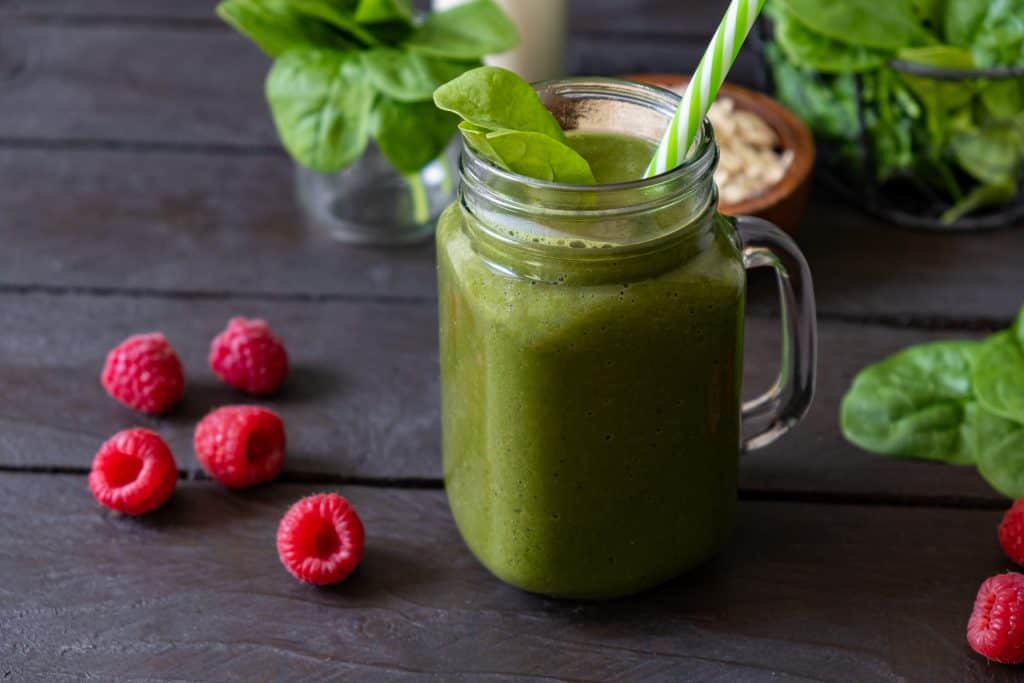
point(703, 87)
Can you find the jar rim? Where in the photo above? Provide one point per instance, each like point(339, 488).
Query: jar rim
point(702, 157)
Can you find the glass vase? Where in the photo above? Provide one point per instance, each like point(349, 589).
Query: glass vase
point(371, 203)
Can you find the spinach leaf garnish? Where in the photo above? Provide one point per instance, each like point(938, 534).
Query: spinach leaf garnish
point(505, 122)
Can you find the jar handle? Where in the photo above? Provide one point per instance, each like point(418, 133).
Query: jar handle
point(776, 411)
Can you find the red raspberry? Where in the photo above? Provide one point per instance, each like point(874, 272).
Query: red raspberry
point(241, 445)
point(320, 539)
point(133, 472)
point(143, 372)
point(248, 357)
point(996, 627)
point(1011, 532)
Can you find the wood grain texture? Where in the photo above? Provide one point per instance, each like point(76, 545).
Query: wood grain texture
point(184, 219)
point(363, 400)
point(645, 17)
point(863, 267)
point(195, 592)
point(191, 85)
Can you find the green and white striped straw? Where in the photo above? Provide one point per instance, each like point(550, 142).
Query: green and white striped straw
point(703, 87)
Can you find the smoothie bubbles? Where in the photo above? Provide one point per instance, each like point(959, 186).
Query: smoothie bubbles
point(591, 327)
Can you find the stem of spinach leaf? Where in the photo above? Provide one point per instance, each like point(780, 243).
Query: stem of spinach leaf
point(418, 192)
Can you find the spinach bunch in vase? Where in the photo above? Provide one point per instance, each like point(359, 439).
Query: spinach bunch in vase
point(958, 402)
point(346, 71)
point(857, 72)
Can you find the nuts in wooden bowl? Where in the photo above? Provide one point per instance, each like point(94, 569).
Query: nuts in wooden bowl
point(751, 159)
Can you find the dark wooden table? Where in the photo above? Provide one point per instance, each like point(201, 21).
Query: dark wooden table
point(142, 187)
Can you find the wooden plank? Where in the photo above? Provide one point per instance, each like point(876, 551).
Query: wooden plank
point(363, 402)
point(185, 218)
point(195, 592)
point(159, 221)
point(203, 85)
point(864, 267)
point(646, 17)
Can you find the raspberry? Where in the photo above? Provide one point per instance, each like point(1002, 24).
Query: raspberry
point(996, 627)
point(1011, 532)
point(133, 472)
point(248, 357)
point(241, 445)
point(320, 539)
point(143, 372)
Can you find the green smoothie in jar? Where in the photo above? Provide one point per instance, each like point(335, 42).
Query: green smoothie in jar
point(591, 358)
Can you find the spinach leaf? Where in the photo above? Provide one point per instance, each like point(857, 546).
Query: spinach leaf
point(914, 404)
point(827, 105)
point(934, 92)
point(999, 376)
point(991, 154)
point(979, 197)
point(384, 11)
point(276, 27)
point(411, 134)
point(409, 76)
point(494, 98)
point(538, 156)
point(962, 20)
point(810, 50)
point(338, 14)
point(1000, 452)
point(467, 31)
point(320, 101)
point(1003, 99)
point(476, 138)
point(885, 25)
point(999, 40)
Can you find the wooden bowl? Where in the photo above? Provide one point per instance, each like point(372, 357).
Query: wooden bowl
point(784, 202)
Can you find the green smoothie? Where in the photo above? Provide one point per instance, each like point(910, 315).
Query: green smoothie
point(613, 157)
point(591, 412)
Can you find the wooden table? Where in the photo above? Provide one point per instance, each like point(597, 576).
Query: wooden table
point(142, 188)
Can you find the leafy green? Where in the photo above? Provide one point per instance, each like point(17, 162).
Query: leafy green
point(1004, 100)
point(337, 15)
point(276, 26)
point(886, 25)
point(999, 376)
point(397, 124)
point(843, 68)
point(962, 21)
point(958, 402)
point(467, 31)
point(1000, 452)
point(321, 102)
point(505, 122)
point(999, 40)
point(810, 50)
point(409, 76)
point(384, 11)
point(497, 99)
point(913, 404)
point(992, 155)
point(980, 197)
point(538, 156)
point(827, 105)
point(346, 70)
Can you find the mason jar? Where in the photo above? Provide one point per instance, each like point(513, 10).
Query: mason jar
point(591, 342)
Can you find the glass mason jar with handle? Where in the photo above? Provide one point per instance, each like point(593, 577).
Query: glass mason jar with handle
point(591, 344)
